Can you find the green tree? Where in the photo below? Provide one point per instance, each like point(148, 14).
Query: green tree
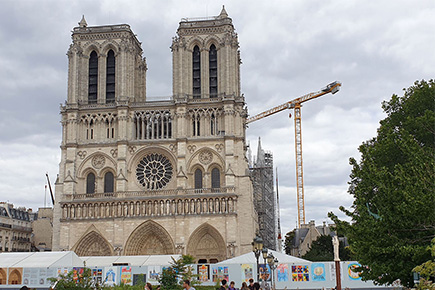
point(322, 250)
point(288, 242)
point(393, 216)
point(172, 276)
point(72, 280)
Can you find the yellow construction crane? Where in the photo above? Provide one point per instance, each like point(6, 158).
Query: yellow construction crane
point(296, 105)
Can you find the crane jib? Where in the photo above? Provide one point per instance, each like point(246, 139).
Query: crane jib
point(296, 105)
point(333, 88)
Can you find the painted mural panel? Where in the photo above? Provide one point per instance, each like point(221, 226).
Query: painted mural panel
point(318, 273)
point(247, 272)
point(204, 273)
point(282, 273)
point(153, 274)
point(220, 273)
point(353, 275)
point(264, 270)
point(300, 273)
point(110, 276)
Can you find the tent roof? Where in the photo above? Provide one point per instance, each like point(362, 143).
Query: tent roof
point(106, 261)
point(9, 259)
point(249, 258)
point(40, 259)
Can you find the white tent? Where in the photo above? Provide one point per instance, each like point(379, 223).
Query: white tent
point(40, 259)
point(107, 261)
point(249, 258)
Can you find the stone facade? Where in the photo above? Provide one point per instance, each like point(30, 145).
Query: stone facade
point(42, 229)
point(15, 228)
point(139, 176)
point(306, 235)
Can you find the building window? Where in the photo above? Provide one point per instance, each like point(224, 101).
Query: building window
point(196, 72)
point(90, 183)
point(196, 125)
point(213, 71)
point(213, 125)
point(108, 182)
point(153, 125)
point(93, 78)
point(110, 77)
point(198, 178)
point(215, 178)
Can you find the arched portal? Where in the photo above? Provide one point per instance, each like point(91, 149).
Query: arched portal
point(14, 277)
point(149, 238)
point(2, 277)
point(206, 243)
point(93, 244)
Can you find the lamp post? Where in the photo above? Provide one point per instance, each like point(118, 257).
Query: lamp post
point(257, 247)
point(273, 263)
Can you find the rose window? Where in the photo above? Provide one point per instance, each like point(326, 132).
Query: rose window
point(154, 171)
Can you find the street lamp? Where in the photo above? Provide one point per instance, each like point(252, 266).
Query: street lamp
point(257, 247)
point(273, 263)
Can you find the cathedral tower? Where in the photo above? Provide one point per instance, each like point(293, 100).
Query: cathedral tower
point(140, 177)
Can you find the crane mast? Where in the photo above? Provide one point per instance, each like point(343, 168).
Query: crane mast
point(295, 104)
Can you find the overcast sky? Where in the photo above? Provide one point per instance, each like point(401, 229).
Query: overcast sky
point(288, 48)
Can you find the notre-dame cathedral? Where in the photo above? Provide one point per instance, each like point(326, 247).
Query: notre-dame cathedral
point(140, 176)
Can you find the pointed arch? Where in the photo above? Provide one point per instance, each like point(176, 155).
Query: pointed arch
point(206, 243)
point(15, 276)
point(149, 238)
point(213, 71)
point(196, 72)
point(110, 76)
point(93, 78)
point(3, 277)
point(93, 244)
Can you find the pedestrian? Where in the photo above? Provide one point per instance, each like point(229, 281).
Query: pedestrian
point(256, 286)
point(186, 285)
point(224, 285)
point(245, 286)
point(148, 286)
point(232, 286)
point(251, 284)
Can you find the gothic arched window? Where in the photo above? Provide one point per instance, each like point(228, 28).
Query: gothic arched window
point(90, 183)
point(196, 66)
point(198, 178)
point(213, 71)
point(213, 125)
point(108, 182)
point(93, 78)
point(215, 178)
point(110, 77)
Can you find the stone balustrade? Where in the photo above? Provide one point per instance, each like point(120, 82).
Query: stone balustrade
point(145, 206)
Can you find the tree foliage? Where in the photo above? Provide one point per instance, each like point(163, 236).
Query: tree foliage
point(172, 277)
point(288, 242)
point(323, 250)
point(393, 216)
point(72, 280)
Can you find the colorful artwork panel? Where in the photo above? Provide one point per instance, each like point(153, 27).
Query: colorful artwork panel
point(247, 272)
point(220, 273)
point(353, 275)
point(300, 273)
point(110, 276)
point(282, 272)
point(125, 274)
point(264, 271)
point(153, 274)
point(204, 273)
point(318, 272)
